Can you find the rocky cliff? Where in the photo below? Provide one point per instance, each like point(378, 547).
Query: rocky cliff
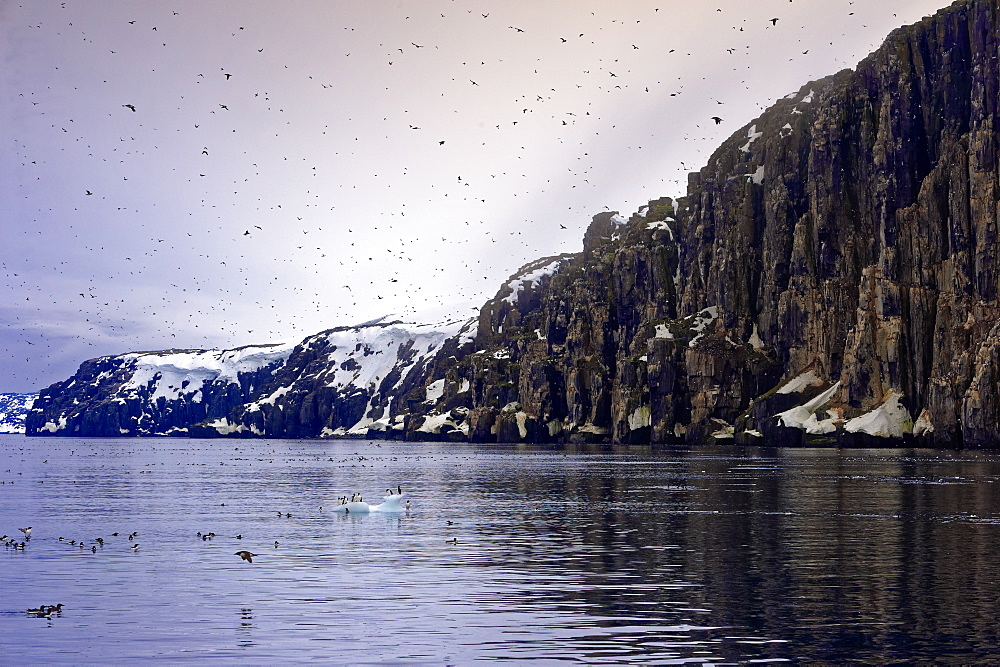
point(831, 276)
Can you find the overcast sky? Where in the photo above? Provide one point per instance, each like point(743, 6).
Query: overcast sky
point(214, 174)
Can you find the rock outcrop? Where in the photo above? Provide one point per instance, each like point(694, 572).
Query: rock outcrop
point(830, 277)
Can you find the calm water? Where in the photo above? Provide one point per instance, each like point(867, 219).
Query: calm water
point(587, 555)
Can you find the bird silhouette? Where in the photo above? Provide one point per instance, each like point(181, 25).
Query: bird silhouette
point(129, 106)
point(245, 555)
point(716, 119)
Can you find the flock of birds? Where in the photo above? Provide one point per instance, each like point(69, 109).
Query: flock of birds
point(228, 191)
point(98, 543)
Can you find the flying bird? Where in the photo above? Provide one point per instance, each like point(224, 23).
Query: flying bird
point(774, 21)
point(129, 106)
point(716, 119)
point(245, 555)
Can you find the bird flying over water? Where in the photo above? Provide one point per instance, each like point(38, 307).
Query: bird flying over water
point(245, 555)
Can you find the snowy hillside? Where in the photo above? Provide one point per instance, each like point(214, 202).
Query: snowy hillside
point(342, 382)
point(13, 408)
point(154, 393)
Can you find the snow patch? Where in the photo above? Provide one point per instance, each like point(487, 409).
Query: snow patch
point(798, 416)
point(640, 418)
point(889, 420)
point(532, 275)
point(800, 382)
point(752, 136)
point(923, 425)
point(435, 390)
point(703, 319)
point(662, 331)
point(55, 427)
point(224, 427)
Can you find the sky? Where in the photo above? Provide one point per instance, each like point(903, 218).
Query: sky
point(192, 174)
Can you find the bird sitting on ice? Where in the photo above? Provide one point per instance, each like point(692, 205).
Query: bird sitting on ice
point(391, 502)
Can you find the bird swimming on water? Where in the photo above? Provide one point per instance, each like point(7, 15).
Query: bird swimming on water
point(245, 555)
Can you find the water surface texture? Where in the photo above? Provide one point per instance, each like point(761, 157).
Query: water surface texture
point(507, 553)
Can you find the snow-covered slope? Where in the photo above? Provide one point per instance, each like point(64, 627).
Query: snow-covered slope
point(154, 393)
point(340, 382)
point(13, 408)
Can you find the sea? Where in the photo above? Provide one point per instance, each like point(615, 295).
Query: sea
point(510, 554)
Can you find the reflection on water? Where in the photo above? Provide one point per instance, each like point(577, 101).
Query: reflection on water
point(509, 553)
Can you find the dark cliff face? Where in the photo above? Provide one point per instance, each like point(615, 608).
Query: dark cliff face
point(830, 277)
point(847, 236)
point(864, 246)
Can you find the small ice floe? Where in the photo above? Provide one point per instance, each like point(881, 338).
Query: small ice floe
point(392, 503)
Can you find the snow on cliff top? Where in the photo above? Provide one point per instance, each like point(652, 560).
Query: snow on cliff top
point(532, 273)
point(187, 370)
